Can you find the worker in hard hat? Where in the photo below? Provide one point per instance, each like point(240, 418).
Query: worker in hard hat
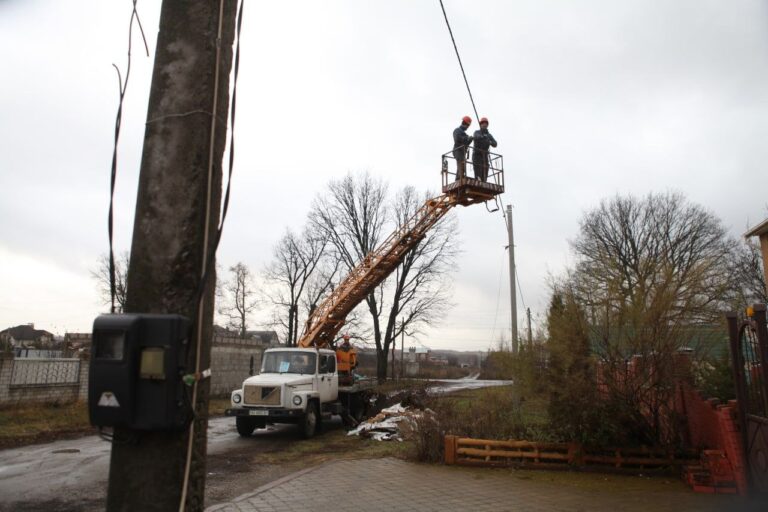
point(483, 139)
point(461, 142)
point(346, 361)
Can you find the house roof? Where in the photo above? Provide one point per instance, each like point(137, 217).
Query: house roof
point(26, 332)
point(760, 229)
point(265, 336)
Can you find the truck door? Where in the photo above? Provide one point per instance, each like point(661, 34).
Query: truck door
point(328, 384)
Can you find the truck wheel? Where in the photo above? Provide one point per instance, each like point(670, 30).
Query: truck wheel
point(245, 425)
point(359, 406)
point(310, 420)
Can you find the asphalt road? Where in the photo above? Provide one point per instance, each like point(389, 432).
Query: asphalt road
point(71, 475)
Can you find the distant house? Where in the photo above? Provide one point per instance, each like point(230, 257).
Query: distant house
point(268, 338)
point(262, 338)
point(77, 343)
point(26, 336)
point(418, 354)
point(438, 360)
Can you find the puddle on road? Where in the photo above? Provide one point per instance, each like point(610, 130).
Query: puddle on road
point(67, 450)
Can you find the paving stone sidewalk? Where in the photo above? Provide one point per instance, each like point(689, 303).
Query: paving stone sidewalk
point(391, 485)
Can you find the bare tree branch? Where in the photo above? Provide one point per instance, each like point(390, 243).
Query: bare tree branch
point(238, 295)
point(100, 274)
point(354, 215)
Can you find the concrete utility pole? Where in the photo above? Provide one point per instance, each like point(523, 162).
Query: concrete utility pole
point(402, 348)
point(530, 333)
point(394, 349)
point(512, 288)
point(177, 213)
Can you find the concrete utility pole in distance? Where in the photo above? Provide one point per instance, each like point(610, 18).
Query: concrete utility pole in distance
point(530, 332)
point(177, 212)
point(402, 348)
point(394, 348)
point(512, 288)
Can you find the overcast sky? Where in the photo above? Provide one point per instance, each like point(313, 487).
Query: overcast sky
point(587, 99)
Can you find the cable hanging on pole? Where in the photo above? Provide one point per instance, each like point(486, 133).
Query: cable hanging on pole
point(123, 87)
point(209, 255)
point(477, 116)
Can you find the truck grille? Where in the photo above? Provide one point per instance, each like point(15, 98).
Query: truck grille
point(261, 395)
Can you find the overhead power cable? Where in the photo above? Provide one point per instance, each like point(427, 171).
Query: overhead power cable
point(498, 296)
point(447, 23)
point(520, 288)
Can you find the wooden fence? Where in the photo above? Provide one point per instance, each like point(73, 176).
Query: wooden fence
point(486, 452)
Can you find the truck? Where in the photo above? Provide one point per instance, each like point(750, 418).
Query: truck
point(299, 386)
point(316, 379)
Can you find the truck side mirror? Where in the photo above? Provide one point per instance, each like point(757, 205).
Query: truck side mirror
point(250, 371)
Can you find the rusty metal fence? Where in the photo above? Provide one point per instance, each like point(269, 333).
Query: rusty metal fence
point(749, 356)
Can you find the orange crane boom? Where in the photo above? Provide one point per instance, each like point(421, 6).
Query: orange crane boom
point(327, 319)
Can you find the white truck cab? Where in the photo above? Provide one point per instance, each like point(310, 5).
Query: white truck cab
point(295, 385)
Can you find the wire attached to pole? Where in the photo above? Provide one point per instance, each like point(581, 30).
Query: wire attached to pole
point(123, 87)
point(209, 256)
point(477, 116)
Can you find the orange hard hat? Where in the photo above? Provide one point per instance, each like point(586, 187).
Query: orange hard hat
point(466, 120)
point(483, 120)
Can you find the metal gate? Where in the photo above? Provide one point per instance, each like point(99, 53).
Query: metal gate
point(749, 353)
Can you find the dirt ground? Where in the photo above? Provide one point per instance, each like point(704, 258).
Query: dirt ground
point(269, 456)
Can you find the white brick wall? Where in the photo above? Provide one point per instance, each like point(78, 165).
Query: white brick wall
point(58, 381)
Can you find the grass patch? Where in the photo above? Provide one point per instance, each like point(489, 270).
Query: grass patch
point(487, 413)
point(531, 410)
point(336, 445)
point(31, 423)
point(216, 406)
point(23, 424)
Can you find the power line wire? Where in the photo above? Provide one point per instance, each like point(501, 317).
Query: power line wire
point(520, 287)
point(477, 116)
point(498, 296)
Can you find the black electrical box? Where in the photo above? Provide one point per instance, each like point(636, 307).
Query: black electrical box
point(137, 365)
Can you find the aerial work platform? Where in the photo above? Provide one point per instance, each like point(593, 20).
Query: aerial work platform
point(470, 190)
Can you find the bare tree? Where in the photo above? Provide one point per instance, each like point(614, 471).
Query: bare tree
point(748, 274)
point(238, 295)
point(293, 267)
point(355, 214)
point(652, 278)
point(321, 282)
point(420, 287)
point(101, 275)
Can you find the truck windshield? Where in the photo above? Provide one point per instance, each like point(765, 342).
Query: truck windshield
point(289, 362)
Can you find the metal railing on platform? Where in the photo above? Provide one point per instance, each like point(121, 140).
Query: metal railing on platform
point(473, 169)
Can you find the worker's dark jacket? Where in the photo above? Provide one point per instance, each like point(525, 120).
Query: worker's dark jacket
point(460, 142)
point(480, 163)
point(483, 140)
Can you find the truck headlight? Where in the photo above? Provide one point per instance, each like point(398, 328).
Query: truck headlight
point(296, 400)
point(236, 398)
